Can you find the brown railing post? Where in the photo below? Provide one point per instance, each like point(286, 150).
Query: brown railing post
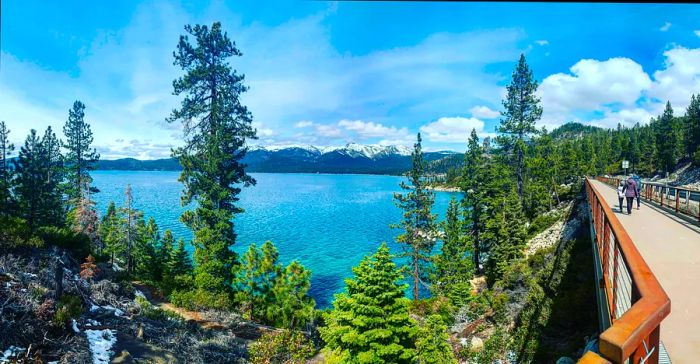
point(678, 199)
point(614, 287)
point(662, 196)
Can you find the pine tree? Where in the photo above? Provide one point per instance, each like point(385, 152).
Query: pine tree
point(666, 140)
point(474, 196)
point(180, 263)
point(51, 160)
point(506, 232)
point(418, 224)
point(216, 127)
point(80, 159)
point(147, 260)
point(129, 219)
point(111, 233)
point(370, 323)
point(292, 307)
point(453, 266)
point(692, 128)
point(522, 110)
point(432, 343)
point(255, 279)
point(6, 172)
point(30, 180)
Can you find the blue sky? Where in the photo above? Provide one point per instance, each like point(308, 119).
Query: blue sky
point(328, 73)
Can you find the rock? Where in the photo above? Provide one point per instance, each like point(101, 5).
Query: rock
point(565, 360)
point(123, 357)
point(477, 344)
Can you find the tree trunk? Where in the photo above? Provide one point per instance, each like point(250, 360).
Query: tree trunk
point(519, 172)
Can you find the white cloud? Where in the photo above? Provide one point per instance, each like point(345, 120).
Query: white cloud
point(594, 84)
point(679, 78)
point(483, 112)
point(368, 129)
point(452, 129)
point(665, 27)
point(328, 131)
point(542, 42)
point(262, 131)
point(303, 124)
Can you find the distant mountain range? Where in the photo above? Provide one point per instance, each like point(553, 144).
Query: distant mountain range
point(351, 158)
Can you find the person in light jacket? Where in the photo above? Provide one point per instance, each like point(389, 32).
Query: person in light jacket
point(638, 181)
point(631, 192)
point(621, 194)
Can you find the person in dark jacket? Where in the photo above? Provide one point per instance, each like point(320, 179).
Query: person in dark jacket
point(638, 181)
point(631, 192)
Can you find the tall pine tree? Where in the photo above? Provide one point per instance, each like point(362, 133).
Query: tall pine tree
point(522, 110)
point(6, 172)
point(216, 127)
point(453, 266)
point(472, 186)
point(418, 224)
point(80, 158)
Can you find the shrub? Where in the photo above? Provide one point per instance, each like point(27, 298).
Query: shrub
point(199, 299)
point(155, 313)
point(76, 243)
point(281, 347)
point(15, 233)
point(542, 223)
point(440, 306)
point(69, 307)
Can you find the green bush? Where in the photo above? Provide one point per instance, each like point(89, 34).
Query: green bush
point(155, 313)
point(542, 223)
point(78, 244)
point(198, 299)
point(281, 347)
point(15, 233)
point(68, 308)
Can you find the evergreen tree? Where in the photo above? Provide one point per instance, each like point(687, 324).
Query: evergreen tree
point(453, 266)
point(692, 128)
point(147, 260)
point(255, 279)
point(472, 186)
point(370, 323)
point(505, 230)
point(130, 218)
point(432, 343)
point(80, 158)
point(522, 110)
point(180, 263)
point(6, 172)
point(51, 160)
point(216, 127)
point(166, 251)
point(666, 140)
point(292, 306)
point(418, 222)
point(30, 180)
point(111, 233)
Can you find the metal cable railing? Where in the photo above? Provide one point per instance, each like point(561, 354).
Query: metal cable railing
point(634, 302)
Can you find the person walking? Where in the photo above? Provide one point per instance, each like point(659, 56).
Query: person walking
point(638, 181)
point(631, 192)
point(621, 194)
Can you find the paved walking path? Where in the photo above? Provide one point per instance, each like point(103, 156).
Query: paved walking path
point(671, 247)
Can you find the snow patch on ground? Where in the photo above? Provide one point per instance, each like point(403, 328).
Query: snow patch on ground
point(75, 326)
point(138, 293)
point(11, 352)
point(101, 343)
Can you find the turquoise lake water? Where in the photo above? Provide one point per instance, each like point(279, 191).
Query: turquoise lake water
point(327, 222)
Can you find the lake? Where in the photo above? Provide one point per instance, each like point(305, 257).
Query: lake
point(327, 222)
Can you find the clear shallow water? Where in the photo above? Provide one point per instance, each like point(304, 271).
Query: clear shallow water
point(327, 222)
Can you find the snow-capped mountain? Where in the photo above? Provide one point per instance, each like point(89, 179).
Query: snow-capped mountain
point(351, 158)
point(350, 149)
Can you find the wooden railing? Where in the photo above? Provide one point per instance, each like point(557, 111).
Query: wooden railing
point(683, 201)
point(634, 300)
